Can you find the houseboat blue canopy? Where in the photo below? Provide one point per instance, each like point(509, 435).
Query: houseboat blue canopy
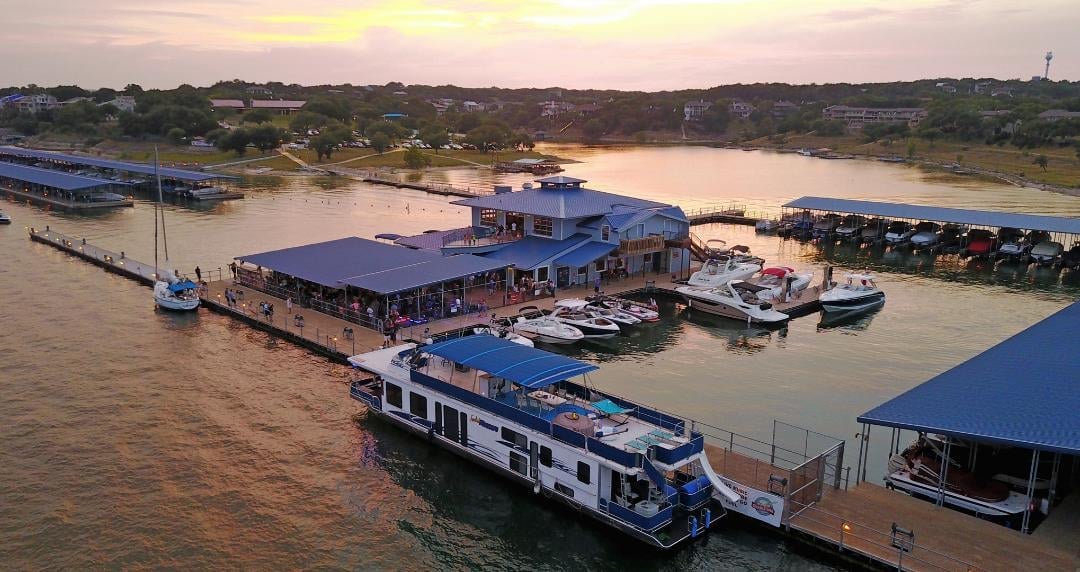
point(52, 179)
point(1021, 392)
point(532, 251)
point(375, 266)
point(585, 254)
point(940, 214)
point(141, 168)
point(525, 366)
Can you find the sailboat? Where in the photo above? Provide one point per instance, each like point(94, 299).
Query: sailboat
point(171, 292)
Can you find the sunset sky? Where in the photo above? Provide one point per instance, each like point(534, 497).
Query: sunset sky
point(621, 44)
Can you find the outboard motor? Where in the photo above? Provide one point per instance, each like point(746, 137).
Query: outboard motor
point(765, 306)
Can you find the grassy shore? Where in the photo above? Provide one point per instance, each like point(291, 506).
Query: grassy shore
point(1062, 169)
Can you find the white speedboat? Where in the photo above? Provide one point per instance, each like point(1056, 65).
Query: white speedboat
point(640, 311)
point(774, 279)
point(721, 270)
point(850, 227)
point(181, 295)
point(898, 232)
point(596, 311)
point(1012, 243)
point(1044, 250)
point(503, 333)
point(532, 322)
point(4, 218)
point(857, 293)
point(737, 300)
point(927, 234)
point(591, 327)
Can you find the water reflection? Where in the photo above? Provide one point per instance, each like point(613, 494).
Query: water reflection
point(851, 320)
point(739, 337)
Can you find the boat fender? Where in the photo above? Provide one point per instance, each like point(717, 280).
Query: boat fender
point(536, 487)
point(708, 517)
point(765, 306)
point(693, 527)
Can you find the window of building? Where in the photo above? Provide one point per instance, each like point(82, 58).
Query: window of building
point(489, 217)
point(515, 438)
point(417, 404)
point(647, 259)
point(601, 265)
point(605, 233)
point(583, 470)
point(519, 463)
point(545, 456)
point(393, 394)
point(542, 274)
point(564, 490)
point(542, 226)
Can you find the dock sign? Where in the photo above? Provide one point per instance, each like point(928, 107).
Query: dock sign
point(754, 503)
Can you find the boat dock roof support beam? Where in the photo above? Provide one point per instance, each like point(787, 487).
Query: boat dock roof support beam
point(1025, 526)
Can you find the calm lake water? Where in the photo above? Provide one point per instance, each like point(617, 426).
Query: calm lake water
point(137, 439)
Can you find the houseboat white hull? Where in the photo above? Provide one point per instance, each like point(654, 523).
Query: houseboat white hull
point(729, 307)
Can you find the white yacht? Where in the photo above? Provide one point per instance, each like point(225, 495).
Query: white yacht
point(643, 312)
point(535, 324)
point(857, 293)
point(522, 413)
point(776, 277)
point(597, 311)
point(737, 300)
point(592, 327)
point(504, 333)
point(721, 270)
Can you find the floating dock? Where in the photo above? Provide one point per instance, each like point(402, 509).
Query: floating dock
point(66, 204)
point(433, 188)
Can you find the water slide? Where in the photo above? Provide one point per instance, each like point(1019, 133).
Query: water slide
point(717, 483)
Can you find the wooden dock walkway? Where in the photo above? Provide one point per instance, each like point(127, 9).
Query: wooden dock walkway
point(71, 205)
point(115, 262)
point(860, 521)
point(721, 214)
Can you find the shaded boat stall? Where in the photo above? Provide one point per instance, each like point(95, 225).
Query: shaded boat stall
point(65, 190)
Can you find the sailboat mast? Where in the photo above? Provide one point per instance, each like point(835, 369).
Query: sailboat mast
point(157, 177)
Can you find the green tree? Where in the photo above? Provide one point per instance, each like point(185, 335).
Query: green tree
point(593, 128)
point(215, 135)
point(236, 140)
point(175, 136)
point(930, 134)
point(910, 149)
point(258, 116)
point(305, 120)
point(1041, 161)
point(380, 142)
point(521, 141)
point(488, 136)
point(393, 131)
point(133, 89)
point(266, 136)
point(436, 135)
point(324, 145)
point(415, 159)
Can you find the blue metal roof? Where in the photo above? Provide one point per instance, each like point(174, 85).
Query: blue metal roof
point(533, 251)
point(141, 168)
point(561, 202)
point(585, 254)
point(940, 214)
point(520, 364)
point(1021, 392)
point(50, 178)
point(375, 266)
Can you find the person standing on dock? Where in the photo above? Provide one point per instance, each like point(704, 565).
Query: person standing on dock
point(596, 286)
point(198, 274)
point(232, 268)
point(288, 304)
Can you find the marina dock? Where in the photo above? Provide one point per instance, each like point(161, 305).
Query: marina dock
point(728, 214)
point(56, 201)
point(373, 178)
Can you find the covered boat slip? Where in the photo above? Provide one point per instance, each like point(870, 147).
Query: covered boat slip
point(1063, 229)
point(66, 160)
point(368, 282)
point(61, 189)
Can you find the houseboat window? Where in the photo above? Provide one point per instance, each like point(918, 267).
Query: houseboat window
point(601, 265)
point(515, 438)
point(605, 233)
point(583, 470)
point(542, 226)
point(647, 259)
point(438, 417)
point(489, 217)
point(417, 404)
point(519, 463)
point(564, 490)
point(542, 274)
point(545, 456)
point(393, 395)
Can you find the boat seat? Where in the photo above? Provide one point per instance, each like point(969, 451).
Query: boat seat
point(661, 434)
point(650, 440)
point(636, 444)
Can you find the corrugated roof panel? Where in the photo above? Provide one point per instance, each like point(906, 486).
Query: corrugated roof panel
point(560, 202)
point(532, 251)
point(585, 254)
point(54, 179)
point(141, 168)
point(940, 214)
point(1023, 391)
point(520, 364)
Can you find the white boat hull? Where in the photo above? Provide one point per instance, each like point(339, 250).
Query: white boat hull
point(1014, 505)
point(177, 304)
point(734, 309)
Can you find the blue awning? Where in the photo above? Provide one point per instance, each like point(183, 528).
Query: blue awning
point(1021, 392)
point(525, 366)
point(53, 179)
point(585, 254)
point(940, 214)
point(183, 285)
point(533, 251)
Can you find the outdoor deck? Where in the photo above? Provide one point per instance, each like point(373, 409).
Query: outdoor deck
point(860, 520)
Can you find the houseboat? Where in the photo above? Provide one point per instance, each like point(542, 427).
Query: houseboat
point(515, 410)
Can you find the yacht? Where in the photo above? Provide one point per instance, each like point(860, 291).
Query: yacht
point(927, 234)
point(592, 327)
point(596, 311)
point(918, 471)
point(721, 270)
point(776, 278)
point(642, 312)
point(171, 292)
point(850, 227)
point(857, 293)
point(523, 413)
point(504, 333)
point(737, 299)
point(534, 323)
point(4, 218)
point(899, 232)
